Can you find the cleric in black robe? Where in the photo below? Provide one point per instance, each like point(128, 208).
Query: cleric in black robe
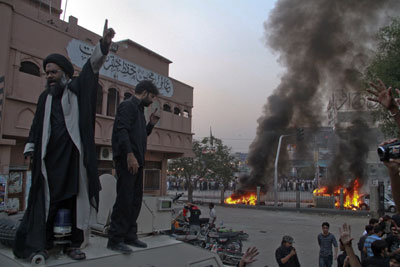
point(61, 142)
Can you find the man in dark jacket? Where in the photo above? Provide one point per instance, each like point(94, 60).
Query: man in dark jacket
point(129, 141)
point(61, 145)
point(286, 255)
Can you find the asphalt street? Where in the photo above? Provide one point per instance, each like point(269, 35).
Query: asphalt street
point(266, 229)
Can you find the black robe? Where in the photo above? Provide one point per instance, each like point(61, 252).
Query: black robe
point(31, 234)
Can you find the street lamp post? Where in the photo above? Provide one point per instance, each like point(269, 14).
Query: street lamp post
point(276, 169)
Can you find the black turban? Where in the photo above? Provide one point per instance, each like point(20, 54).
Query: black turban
point(60, 61)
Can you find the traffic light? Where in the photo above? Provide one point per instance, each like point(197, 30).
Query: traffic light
point(300, 134)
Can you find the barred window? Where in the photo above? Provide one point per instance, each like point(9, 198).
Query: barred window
point(152, 179)
point(152, 175)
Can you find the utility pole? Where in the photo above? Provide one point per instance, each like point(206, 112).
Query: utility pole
point(300, 136)
point(276, 169)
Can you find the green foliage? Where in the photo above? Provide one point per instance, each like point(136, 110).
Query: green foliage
point(386, 66)
point(211, 159)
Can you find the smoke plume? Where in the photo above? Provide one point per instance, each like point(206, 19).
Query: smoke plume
point(324, 46)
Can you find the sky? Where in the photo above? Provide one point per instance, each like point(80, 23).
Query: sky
point(216, 46)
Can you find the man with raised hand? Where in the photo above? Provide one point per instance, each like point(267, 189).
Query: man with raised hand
point(61, 146)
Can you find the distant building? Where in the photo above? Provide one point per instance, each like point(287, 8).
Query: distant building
point(243, 166)
point(31, 30)
point(322, 144)
point(343, 107)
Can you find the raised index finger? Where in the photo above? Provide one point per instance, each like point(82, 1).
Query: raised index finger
point(105, 26)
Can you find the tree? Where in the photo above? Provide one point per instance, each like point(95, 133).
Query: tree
point(223, 164)
point(211, 160)
point(386, 66)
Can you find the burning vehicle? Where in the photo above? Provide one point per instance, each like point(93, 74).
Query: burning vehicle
point(351, 195)
point(388, 203)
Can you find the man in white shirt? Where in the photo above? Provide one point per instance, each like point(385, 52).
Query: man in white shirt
point(213, 215)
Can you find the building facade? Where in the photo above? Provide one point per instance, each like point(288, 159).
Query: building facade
point(32, 30)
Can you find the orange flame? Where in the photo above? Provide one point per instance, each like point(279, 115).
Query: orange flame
point(351, 196)
point(248, 199)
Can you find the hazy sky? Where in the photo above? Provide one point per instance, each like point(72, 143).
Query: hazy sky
point(216, 46)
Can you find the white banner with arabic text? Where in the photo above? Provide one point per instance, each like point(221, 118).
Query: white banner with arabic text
point(119, 68)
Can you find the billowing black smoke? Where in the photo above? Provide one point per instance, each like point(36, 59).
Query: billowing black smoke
point(349, 161)
point(324, 46)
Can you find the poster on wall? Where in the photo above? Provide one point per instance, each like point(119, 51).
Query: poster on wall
point(15, 182)
point(3, 184)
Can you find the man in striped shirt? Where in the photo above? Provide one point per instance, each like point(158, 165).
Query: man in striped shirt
point(377, 235)
point(325, 242)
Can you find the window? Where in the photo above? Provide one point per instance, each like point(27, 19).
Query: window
point(185, 113)
point(177, 111)
point(152, 175)
point(30, 68)
point(167, 108)
point(99, 101)
point(152, 179)
point(112, 102)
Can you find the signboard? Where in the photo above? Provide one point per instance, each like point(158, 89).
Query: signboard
point(119, 68)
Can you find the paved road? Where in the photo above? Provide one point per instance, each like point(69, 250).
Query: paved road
point(266, 229)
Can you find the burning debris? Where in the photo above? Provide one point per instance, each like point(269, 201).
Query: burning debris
point(324, 45)
point(351, 195)
point(246, 198)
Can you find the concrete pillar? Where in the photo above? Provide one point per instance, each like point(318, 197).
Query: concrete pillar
point(258, 195)
point(6, 25)
point(374, 201)
point(341, 199)
point(164, 167)
point(5, 156)
point(381, 201)
point(121, 96)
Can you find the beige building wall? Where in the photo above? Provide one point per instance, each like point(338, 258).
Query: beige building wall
point(30, 32)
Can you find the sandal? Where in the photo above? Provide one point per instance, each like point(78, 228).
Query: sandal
point(76, 254)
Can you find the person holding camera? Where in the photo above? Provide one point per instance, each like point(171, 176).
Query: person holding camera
point(386, 98)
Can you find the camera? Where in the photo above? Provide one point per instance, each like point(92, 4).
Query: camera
point(389, 151)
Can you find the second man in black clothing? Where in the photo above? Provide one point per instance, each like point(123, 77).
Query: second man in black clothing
point(129, 140)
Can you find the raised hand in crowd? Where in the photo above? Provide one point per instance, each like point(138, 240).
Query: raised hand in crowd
point(345, 237)
point(249, 256)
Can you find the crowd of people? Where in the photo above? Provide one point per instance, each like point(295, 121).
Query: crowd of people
point(302, 185)
point(180, 184)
